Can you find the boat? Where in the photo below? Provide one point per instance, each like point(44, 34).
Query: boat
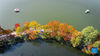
point(87, 11)
point(16, 10)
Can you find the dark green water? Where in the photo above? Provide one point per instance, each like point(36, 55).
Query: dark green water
point(69, 11)
point(42, 48)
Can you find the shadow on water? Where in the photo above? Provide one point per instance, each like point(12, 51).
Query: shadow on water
point(40, 48)
point(9, 44)
point(7, 48)
point(40, 42)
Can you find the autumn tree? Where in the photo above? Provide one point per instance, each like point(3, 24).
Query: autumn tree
point(26, 26)
point(18, 31)
point(53, 26)
point(32, 35)
point(76, 38)
point(34, 25)
point(62, 30)
point(70, 29)
point(16, 25)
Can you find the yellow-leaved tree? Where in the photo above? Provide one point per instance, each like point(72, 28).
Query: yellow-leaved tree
point(18, 31)
point(33, 25)
point(76, 38)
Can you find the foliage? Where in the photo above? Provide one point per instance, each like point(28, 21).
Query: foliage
point(67, 37)
point(71, 29)
point(76, 38)
point(18, 31)
point(16, 25)
point(89, 34)
point(43, 37)
point(32, 35)
point(97, 44)
point(52, 29)
point(53, 26)
point(33, 25)
point(58, 38)
point(25, 26)
point(61, 31)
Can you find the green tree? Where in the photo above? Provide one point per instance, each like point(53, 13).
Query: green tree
point(89, 34)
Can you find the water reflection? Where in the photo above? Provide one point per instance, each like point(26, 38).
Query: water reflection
point(57, 45)
point(49, 43)
point(41, 48)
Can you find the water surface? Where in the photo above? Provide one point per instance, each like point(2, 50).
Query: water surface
point(69, 11)
point(42, 48)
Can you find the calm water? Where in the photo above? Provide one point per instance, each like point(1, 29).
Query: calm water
point(69, 11)
point(42, 48)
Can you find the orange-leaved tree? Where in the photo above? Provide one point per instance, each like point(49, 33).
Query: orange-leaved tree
point(26, 26)
point(32, 35)
point(54, 27)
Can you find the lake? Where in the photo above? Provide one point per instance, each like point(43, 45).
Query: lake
point(69, 11)
point(43, 11)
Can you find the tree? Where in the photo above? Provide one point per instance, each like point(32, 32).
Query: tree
point(53, 27)
point(18, 31)
point(76, 38)
point(34, 25)
point(25, 26)
point(16, 25)
point(70, 29)
point(32, 35)
point(67, 37)
point(89, 34)
point(62, 30)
